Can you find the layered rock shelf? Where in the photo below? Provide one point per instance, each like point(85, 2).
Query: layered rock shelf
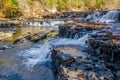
point(99, 60)
point(71, 63)
point(65, 15)
point(71, 30)
point(106, 44)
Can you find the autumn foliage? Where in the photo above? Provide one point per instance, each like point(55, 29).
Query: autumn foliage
point(8, 9)
point(16, 8)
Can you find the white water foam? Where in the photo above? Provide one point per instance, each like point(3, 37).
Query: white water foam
point(65, 41)
point(47, 23)
point(53, 23)
point(111, 16)
point(39, 54)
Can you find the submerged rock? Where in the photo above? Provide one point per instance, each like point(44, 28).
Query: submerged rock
point(5, 47)
point(35, 37)
point(70, 63)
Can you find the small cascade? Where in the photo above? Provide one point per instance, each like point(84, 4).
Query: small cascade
point(76, 36)
point(45, 52)
point(95, 16)
point(54, 24)
point(66, 41)
point(36, 59)
point(111, 16)
point(38, 54)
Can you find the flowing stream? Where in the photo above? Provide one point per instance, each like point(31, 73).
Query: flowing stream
point(33, 61)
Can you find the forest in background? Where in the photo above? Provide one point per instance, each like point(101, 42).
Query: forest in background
point(36, 8)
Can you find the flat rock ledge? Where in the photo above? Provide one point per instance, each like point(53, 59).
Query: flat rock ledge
point(71, 63)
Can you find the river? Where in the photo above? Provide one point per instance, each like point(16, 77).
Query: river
point(28, 61)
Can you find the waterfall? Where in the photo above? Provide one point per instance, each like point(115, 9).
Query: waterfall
point(54, 23)
point(44, 51)
point(66, 41)
point(111, 16)
point(76, 36)
point(38, 54)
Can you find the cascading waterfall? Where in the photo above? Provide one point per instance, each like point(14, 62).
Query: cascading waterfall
point(111, 16)
point(38, 54)
point(36, 61)
point(53, 23)
point(46, 23)
point(65, 41)
point(76, 36)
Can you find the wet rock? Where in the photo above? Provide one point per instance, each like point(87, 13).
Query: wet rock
point(35, 37)
point(72, 30)
point(19, 40)
point(64, 15)
point(118, 74)
point(28, 37)
point(70, 63)
point(5, 46)
point(106, 44)
point(7, 25)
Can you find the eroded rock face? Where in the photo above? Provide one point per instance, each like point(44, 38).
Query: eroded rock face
point(65, 15)
point(73, 64)
point(71, 30)
point(106, 44)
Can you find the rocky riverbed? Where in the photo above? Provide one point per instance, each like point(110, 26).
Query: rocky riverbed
point(65, 49)
point(98, 61)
